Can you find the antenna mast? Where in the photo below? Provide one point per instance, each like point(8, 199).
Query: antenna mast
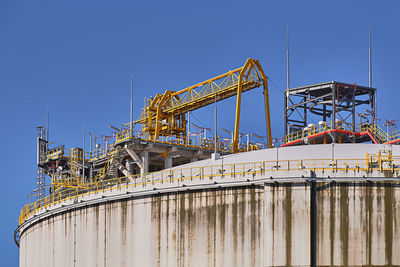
point(130, 124)
point(370, 57)
point(287, 56)
point(47, 126)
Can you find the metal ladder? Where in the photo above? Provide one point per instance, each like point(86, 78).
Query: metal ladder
point(114, 162)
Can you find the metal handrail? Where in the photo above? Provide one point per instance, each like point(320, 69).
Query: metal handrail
point(373, 128)
point(370, 163)
point(308, 132)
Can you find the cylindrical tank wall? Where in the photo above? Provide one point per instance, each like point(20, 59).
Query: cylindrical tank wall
point(204, 228)
point(357, 224)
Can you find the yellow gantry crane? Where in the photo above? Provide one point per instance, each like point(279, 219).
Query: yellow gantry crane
point(165, 114)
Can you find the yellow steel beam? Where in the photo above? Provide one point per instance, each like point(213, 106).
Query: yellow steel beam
point(208, 81)
point(173, 106)
point(201, 94)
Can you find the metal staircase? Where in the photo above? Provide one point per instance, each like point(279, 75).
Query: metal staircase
point(110, 168)
point(377, 132)
point(115, 160)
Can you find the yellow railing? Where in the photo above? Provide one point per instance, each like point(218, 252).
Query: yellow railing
point(374, 129)
point(395, 135)
point(205, 144)
point(378, 133)
point(308, 132)
point(54, 153)
point(71, 181)
point(235, 171)
point(128, 134)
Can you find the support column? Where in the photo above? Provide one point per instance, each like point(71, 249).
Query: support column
point(126, 172)
point(305, 109)
point(285, 112)
point(145, 162)
point(374, 107)
point(129, 165)
point(334, 88)
point(168, 162)
point(353, 110)
point(135, 157)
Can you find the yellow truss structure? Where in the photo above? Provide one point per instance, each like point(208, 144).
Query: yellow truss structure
point(165, 114)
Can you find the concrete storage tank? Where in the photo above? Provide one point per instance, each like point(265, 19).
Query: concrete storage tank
point(325, 205)
point(163, 197)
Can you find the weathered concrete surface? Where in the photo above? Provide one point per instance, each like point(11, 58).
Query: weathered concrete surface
point(209, 228)
point(357, 225)
point(287, 225)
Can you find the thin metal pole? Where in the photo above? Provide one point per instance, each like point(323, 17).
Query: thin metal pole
point(215, 122)
point(375, 109)
point(91, 143)
point(286, 97)
point(131, 121)
point(370, 57)
point(287, 57)
point(47, 126)
point(188, 130)
point(83, 154)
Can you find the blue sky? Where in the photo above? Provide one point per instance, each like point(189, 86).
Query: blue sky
point(75, 59)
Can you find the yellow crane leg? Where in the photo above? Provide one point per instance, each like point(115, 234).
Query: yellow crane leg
point(266, 102)
point(235, 147)
point(267, 115)
point(248, 65)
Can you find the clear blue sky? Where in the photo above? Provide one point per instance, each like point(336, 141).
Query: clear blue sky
point(75, 59)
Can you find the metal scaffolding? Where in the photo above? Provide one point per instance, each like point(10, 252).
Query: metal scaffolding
point(332, 101)
point(42, 145)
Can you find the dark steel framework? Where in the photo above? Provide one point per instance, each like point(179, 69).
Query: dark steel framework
point(331, 101)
